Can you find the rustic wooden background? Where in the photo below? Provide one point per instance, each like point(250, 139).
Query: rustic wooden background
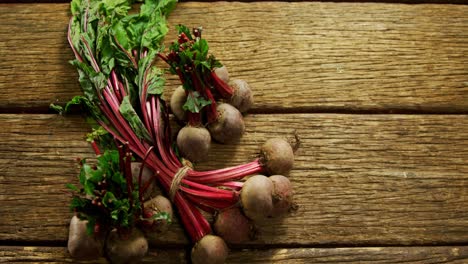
point(377, 91)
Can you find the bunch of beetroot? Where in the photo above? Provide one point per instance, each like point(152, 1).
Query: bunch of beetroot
point(207, 102)
point(122, 90)
point(113, 209)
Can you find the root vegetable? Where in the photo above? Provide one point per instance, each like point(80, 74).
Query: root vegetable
point(209, 250)
point(129, 248)
point(222, 73)
point(278, 156)
point(194, 142)
point(229, 126)
point(233, 226)
point(81, 245)
point(242, 98)
point(159, 204)
point(146, 176)
point(256, 198)
point(282, 195)
point(178, 99)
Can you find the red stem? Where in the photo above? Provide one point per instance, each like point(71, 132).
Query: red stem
point(95, 148)
point(140, 174)
point(222, 87)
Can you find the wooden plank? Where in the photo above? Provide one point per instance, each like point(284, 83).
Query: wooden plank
point(359, 179)
point(380, 1)
point(311, 56)
point(292, 255)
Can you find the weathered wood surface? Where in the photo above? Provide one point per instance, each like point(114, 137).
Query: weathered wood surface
point(359, 179)
point(444, 255)
point(306, 56)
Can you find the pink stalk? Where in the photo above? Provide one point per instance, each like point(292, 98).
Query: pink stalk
point(223, 88)
point(95, 148)
point(140, 175)
point(129, 56)
point(116, 86)
point(253, 164)
point(233, 185)
point(90, 52)
point(77, 55)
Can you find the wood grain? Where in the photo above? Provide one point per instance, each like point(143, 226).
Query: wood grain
point(359, 179)
point(298, 57)
point(431, 255)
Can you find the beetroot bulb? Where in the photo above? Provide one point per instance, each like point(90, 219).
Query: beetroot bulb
point(256, 198)
point(242, 98)
point(266, 197)
point(127, 248)
point(233, 226)
point(209, 250)
point(158, 204)
point(222, 73)
point(146, 178)
point(229, 126)
point(282, 195)
point(177, 102)
point(194, 142)
point(277, 156)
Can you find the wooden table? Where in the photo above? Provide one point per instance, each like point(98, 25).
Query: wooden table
point(377, 92)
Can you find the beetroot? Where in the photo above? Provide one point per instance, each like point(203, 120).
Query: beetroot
point(146, 176)
point(81, 245)
point(194, 142)
point(178, 99)
point(159, 204)
point(242, 98)
point(282, 195)
point(233, 226)
point(229, 126)
point(256, 198)
point(209, 250)
point(126, 248)
point(222, 73)
point(277, 156)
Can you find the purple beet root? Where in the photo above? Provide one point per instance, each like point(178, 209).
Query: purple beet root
point(282, 195)
point(81, 245)
point(159, 204)
point(242, 99)
point(178, 100)
point(146, 176)
point(256, 198)
point(222, 73)
point(233, 226)
point(278, 156)
point(128, 248)
point(229, 127)
point(194, 143)
point(209, 250)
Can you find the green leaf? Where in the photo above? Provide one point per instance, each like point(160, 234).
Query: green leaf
point(201, 46)
point(57, 108)
point(126, 109)
point(90, 226)
point(89, 188)
point(184, 29)
point(97, 134)
point(195, 102)
point(77, 203)
point(72, 187)
point(161, 216)
point(109, 199)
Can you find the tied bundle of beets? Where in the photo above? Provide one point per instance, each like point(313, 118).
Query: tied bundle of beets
point(117, 203)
